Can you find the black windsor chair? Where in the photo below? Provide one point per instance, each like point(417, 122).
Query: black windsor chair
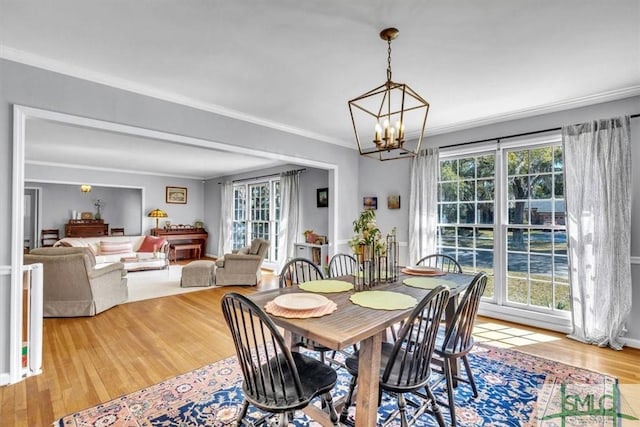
point(406, 364)
point(441, 261)
point(342, 265)
point(294, 272)
point(275, 379)
point(456, 341)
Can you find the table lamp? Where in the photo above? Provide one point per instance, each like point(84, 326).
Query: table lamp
point(157, 214)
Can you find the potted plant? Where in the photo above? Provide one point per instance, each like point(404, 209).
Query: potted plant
point(366, 235)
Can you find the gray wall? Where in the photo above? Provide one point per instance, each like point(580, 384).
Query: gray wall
point(121, 205)
point(311, 217)
point(30, 86)
point(151, 187)
point(397, 179)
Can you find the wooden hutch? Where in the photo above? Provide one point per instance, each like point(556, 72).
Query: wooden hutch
point(86, 228)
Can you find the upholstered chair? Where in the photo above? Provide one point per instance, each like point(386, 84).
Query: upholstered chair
point(242, 266)
point(73, 286)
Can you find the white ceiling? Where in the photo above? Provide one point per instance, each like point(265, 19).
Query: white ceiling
point(294, 65)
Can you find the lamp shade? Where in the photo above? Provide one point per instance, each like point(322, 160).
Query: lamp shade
point(157, 214)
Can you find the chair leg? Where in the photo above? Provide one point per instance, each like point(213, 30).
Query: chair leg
point(434, 406)
point(243, 413)
point(402, 407)
point(467, 368)
point(449, 377)
point(347, 403)
point(327, 399)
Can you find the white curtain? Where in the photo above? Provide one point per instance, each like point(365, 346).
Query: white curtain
point(225, 242)
point(289, 215)
point(423, 204)
point(598, 197)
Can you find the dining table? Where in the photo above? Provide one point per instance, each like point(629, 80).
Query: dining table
point(350, 323)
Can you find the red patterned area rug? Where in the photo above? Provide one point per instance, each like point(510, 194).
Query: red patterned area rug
point(515, 389)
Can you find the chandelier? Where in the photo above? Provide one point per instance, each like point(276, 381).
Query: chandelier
point(389, 120)
point(85, 188)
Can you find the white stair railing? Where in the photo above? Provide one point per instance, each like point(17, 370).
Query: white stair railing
point(25, 325)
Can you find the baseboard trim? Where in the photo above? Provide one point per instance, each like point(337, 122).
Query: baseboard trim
point(5, 379)
point(631, 342)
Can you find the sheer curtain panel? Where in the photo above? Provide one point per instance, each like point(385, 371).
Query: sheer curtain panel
point(289, 215)
point(225, 242)
point(423, 204)
point(598, 196)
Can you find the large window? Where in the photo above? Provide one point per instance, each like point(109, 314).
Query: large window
point(256, 214)
point(502, 211)
point(466, 212)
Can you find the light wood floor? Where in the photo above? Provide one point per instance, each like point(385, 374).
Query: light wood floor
point(91, 360)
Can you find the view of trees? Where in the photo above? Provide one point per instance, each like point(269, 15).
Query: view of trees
point(534, 204)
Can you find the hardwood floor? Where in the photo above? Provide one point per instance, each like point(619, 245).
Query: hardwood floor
point(91, 360)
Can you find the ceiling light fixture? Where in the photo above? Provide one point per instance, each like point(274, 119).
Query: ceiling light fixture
point(85, 188)
point(157, 214)
point(382, 114)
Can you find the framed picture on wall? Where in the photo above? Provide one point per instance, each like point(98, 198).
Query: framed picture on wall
point(370, 203)
point(176, 195)
point(393, 201)
point(322, 197)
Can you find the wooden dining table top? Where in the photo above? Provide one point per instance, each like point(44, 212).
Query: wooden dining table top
point(351, 323)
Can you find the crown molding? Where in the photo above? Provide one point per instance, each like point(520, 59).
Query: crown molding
point(95, 168)
point(60, 67)
point(584, 101)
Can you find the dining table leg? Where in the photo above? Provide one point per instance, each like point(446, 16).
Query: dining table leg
point(368, 381)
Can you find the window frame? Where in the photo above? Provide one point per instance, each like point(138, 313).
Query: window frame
point(497, 306)
point(273, 186)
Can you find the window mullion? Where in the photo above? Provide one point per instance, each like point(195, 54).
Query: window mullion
point(500, 225)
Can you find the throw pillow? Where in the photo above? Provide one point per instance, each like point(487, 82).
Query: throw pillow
point(151, 244)
point(110, 248)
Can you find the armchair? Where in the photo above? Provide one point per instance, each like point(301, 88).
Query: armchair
point(242, 267)
point(73, 286)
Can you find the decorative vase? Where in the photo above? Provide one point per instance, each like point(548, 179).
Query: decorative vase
point(365, 271)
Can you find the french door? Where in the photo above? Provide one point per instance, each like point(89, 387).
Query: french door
point(256, 214)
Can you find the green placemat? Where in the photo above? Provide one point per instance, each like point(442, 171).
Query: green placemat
point(383, 300)
point(427, 282)
point(326, 286)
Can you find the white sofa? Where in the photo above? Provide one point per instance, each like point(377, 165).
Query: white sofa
point(135, 252)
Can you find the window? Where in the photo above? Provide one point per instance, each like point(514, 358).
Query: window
point(502, 211)
point(536, 252)
point(256, 214)
point(466, 212)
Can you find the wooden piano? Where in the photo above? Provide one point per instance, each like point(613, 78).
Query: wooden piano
point(184, 236)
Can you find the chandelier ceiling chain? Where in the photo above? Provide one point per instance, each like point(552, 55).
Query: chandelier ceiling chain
point(393, 106)
point(389, 60)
